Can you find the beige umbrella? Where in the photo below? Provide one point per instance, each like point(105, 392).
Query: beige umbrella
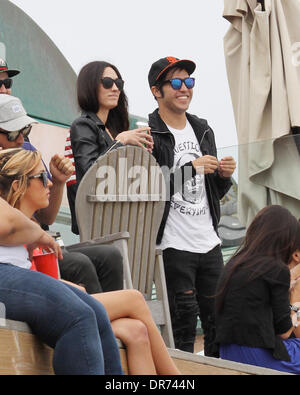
point(262, 51)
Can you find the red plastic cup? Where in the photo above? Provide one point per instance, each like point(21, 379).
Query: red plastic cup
point(47, 263)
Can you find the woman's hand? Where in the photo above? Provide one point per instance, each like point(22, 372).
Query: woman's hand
point(47, 243)
point(140, 137)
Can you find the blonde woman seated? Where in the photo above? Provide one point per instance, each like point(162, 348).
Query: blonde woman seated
point(24, 185)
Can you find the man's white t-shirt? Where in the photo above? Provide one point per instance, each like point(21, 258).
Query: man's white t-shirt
point(189, 225)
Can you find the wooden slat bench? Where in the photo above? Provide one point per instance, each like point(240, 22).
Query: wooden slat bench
point(193, 364)
point(21, 353)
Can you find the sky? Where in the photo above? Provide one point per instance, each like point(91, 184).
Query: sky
point(132, 34)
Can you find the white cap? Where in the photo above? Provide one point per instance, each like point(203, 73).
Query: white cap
point(12, 114)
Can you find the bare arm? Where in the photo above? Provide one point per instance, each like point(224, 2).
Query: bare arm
point(17, 229)
point(287, 334)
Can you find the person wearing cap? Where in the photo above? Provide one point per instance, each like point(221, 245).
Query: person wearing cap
point(184, 145)
point(97, 268)
point(6, 75)
point(15, 126)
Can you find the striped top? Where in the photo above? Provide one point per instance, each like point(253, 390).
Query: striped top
point(69, 154)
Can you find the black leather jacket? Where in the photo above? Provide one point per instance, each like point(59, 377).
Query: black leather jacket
point(164, 143)
point(89, 140)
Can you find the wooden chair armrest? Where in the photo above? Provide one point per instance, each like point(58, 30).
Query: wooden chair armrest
point(158, 251)
point(101, 240)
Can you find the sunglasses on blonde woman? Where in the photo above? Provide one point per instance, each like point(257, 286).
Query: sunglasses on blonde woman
point(43, 177)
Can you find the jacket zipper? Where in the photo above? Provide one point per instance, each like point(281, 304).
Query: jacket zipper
point(204, 134)
point(214, 216)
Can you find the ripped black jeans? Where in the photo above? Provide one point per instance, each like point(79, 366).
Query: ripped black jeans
point(191, 282)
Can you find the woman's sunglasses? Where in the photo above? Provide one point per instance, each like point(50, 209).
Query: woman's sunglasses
point(7, 83)
point(43, 176)
point(108, 82)
point(176, 83)
point(12, 136)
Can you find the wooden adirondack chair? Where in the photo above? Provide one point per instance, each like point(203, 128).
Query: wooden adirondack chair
point(121, 200)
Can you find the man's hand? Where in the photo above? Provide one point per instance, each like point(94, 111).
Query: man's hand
point(46, 242)
point(61, 168)
point(207, 164)
point(227, 166)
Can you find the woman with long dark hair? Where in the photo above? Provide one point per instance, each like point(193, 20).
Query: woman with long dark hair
point(103, 123)
point(255, 322)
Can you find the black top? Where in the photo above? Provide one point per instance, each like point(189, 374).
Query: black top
point(89, 140)
point(256, 311)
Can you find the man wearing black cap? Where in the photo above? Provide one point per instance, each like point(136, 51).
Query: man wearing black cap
point(185, 145)
point(6, 75)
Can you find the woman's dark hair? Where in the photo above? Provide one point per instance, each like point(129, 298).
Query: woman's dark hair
point(271, 239)
point(88, 82)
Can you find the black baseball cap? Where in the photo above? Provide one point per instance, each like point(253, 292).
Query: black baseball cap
point(4, 69)
point(164, 64)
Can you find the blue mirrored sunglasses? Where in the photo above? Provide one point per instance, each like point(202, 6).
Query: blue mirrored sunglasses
point(176, 83)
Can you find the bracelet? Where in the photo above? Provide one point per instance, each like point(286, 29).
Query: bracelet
point(294, 308)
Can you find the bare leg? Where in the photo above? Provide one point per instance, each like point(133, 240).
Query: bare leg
point(131, 304)
point(134, 335)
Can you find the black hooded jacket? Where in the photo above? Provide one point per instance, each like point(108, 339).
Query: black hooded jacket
point(164, 143)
